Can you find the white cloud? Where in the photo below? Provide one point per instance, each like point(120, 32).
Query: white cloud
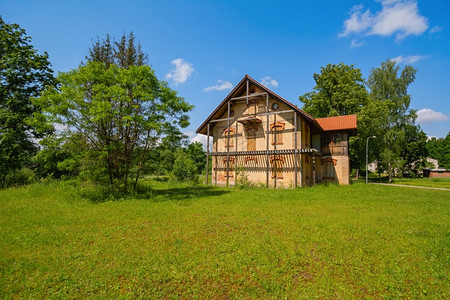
point(181, 72)
point(410, 59)
point(357, 22)
point(426, 115)
point(222, 85)
point(436, 29)
point(355, 44)
point(269, 81)
point(401, 18)
point(193, 137)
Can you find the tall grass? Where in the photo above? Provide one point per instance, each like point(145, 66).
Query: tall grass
point(178, 240)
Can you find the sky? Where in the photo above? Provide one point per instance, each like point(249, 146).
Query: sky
point(204, 48)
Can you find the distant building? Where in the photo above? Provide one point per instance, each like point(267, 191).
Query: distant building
point(436, 173)
point(434, 162)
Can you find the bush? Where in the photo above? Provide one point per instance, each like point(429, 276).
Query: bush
point(184, 168)
point(19, 177)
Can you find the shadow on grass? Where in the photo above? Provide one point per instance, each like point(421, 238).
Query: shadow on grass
point(178, 192)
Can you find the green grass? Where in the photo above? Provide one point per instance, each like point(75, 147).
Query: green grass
point(174, 240)
point(427, 182)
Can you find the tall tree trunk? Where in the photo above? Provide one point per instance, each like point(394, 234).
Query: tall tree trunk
point(141, 162)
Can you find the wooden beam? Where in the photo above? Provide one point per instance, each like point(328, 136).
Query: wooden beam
point(267, 141)
point(220, 120)
point(277, 112)
point(228, 144)
point(271, 152)
point(295, 147)
point(249, 96)
point(207, 154)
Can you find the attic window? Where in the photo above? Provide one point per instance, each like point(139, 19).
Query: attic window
point(275, 106)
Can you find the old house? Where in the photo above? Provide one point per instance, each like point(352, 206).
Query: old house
point(259, 135)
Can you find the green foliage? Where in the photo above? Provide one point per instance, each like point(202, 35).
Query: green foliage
point(19, 177)
point(125, 52)
point(120, 112)
point(389, 89)
point(414, 151)
point(198, 156)
point(184, 167)
point(23, 74)
point(339, 91)
point(439, 148)
point(191, 241)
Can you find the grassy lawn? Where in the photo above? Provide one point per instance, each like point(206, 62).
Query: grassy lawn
point(182, 241)
point(428, 182)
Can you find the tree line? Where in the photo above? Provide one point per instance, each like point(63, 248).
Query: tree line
point(382, 106)
point(109, 121)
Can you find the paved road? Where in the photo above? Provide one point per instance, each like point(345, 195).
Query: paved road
point(413, 186)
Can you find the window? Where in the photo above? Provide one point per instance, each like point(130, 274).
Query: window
point(251, 138)
point(230, 140)
point(328, 168)
point(277, 133)
point(334, 143)
point(277, 162)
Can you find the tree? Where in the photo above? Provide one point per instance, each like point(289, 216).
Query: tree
point(414, 151)
point(23, 74)
point(184, 168)
point(198, 156)
point(339, 91)
point(119, 111)
point(439, 148)
point(124, 53)
point(389, 87)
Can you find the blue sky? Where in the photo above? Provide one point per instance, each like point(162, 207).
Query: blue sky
point(204, 48)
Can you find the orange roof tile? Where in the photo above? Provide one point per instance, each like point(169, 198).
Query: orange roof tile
point(337, 123)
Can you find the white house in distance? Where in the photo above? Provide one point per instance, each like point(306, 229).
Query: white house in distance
point(262, 136)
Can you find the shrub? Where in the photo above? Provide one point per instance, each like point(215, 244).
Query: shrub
point(184, 168)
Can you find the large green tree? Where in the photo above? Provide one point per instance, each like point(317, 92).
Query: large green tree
point(339, 91)
point(388, 86)
point(120, 110)
point(23, 74)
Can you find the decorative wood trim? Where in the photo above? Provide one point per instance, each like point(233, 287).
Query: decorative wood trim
point(250, 158)
point(276, 125)
point(329, 159)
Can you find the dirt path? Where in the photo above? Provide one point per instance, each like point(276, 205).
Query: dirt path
point(413, 186)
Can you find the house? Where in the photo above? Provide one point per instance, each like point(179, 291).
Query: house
point(436, 173)
point(270, 141)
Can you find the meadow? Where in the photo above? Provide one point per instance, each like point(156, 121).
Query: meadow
point(177, 240)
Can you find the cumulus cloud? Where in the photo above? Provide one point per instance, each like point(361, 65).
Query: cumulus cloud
point(399, 17)
point(269, 81)
point(181, 72)
point(409, 59)
point(220, 86)
point(426, 115)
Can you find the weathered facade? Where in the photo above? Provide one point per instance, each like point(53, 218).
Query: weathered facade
point(260, 137)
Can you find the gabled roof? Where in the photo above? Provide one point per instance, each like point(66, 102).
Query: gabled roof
point(321, 124)
point(214, 114)
point(338, 123)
